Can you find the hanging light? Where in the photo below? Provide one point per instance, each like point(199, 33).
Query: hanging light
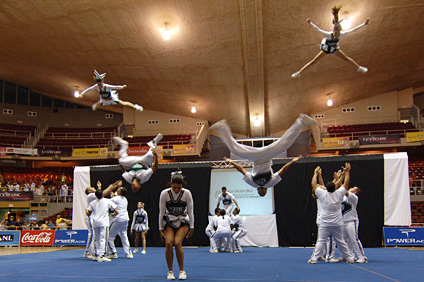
point(257, 121)
point(193, 109)
point(77, 94)
point(166, 33)
point(346, 23)
point(329, 101)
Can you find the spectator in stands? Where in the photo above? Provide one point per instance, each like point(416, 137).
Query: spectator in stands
point(140, 225)
point(60, 223)
point(33, 222)
point(16, 186)
point(3, 225)
point(262, 177)
point(138, 169)
point(32, 185)
point(64, 192)
point(43, 226)
point(19, 224)
point(26, 186)
point(10, 186)
point(108, 94)
point(11, 223)
point(51, 225)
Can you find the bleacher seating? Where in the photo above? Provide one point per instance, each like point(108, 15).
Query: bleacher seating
point(167, 142)
point(15, 135)
point(356, 130)
point(46, 173)
point(417, 212)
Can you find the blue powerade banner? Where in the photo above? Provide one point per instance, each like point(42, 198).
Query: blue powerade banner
point(404, 236)
point(10, 238)
point(71, 237)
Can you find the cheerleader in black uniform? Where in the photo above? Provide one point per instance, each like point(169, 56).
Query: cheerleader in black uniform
point(176, 221)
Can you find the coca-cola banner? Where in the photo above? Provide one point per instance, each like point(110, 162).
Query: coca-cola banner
point(37, 237)
point(16, 196)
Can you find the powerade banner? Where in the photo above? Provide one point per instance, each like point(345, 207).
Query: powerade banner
point(71, 237)
point(10, 238)
point(404, 236)
point(379, 139)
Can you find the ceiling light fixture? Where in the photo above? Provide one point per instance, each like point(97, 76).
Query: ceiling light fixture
point(257, 121)
point(77, 93)
point(346, 23)
point(329, 101)
point(193, 109)
point(166, 33)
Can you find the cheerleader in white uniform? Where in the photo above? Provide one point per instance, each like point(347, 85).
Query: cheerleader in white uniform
point(140, 225)
point(223, 231)
point(330, 44)
point(138, 169)
point(108, 94)
point(238, 231)
point(262, 176)
point(210, 230)
point(176, 221)
point(228, 200)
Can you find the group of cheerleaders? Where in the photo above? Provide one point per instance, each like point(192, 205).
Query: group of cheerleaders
point(176, 218)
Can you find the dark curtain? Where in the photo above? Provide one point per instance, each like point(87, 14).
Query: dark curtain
point(296, 209)
point(198, 182)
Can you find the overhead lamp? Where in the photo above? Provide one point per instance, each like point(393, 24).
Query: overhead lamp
point(329, 101)
point(256, 121)
point(346, 23)
point(166, 33)
point(193, 109)
point(77, 94)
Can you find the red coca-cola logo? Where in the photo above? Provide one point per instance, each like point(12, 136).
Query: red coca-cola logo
point(36, 237)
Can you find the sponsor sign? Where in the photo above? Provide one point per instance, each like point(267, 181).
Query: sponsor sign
point(16, 196)
point(142, 150)
point(184, 149)
point(414, 136)
point(404, 236)
point(2, 151)
point(21, 151)
point(71, 237)
point(37, 237)
point(55, 152)
point(335, 142)
point(9, 237)
point(89, 152)
point(379, 139)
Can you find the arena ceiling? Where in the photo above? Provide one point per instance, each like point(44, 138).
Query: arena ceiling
point(232, 58)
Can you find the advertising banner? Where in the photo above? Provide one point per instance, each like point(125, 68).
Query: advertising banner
point(16, 196)
point(55, 152)
point(184, 149)
point(404, 236)
point(9, 238)
point(379, 139)
point(89, 152)
point(71, 237)
point(37, 237)
point(21, 151)
point(2, 151)
point(414, 136)
point(142, 150)
point(335, 142)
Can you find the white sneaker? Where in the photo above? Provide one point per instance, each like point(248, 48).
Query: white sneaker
point(295, 75)
point(138, 108)
point(350, 261)
point(102, 259)
point(94, 107)
point(92, 257)
point(307, 120)
point(333, 260)
point(183, 275)
point(135, 251)
point(85, 255)
point(155, 141)
point(119, 140)
point(214, 251)
point(112, 256)
point(312, 261)
point(143, 252)
point(237, 251)
point(170, 275)
point(129, 256)
point(361, 261)
point(362, 69)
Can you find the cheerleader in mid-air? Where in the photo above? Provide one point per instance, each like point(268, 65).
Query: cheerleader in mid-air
point(330, 44)
point(108, 94)
point(140, 225)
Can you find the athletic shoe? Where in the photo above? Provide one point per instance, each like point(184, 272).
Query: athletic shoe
point(84, 255)
point(135, 251)
point(237, 251)
point(350, 261)
point(143, 252)
point(129, 256)
point(312, 261)
point(307, 120)
point(94, 107)
point(295, 75)
point(332, 260)
point(112, 256)
point(92, 257)
point(119, 141)
point(362, 69)
point(102, 259)
point(322, 258)
point(138, 108)
point(361, 261)
point(155, 141)
point(214, 251)
point(183, 275)
point(170, 275)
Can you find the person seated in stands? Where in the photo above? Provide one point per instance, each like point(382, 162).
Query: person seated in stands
point(26, 186)
point(51, 225)
point(33, 223)
point(19, 224)
point(11, 223)
point(43, 225)
point(2, 225)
